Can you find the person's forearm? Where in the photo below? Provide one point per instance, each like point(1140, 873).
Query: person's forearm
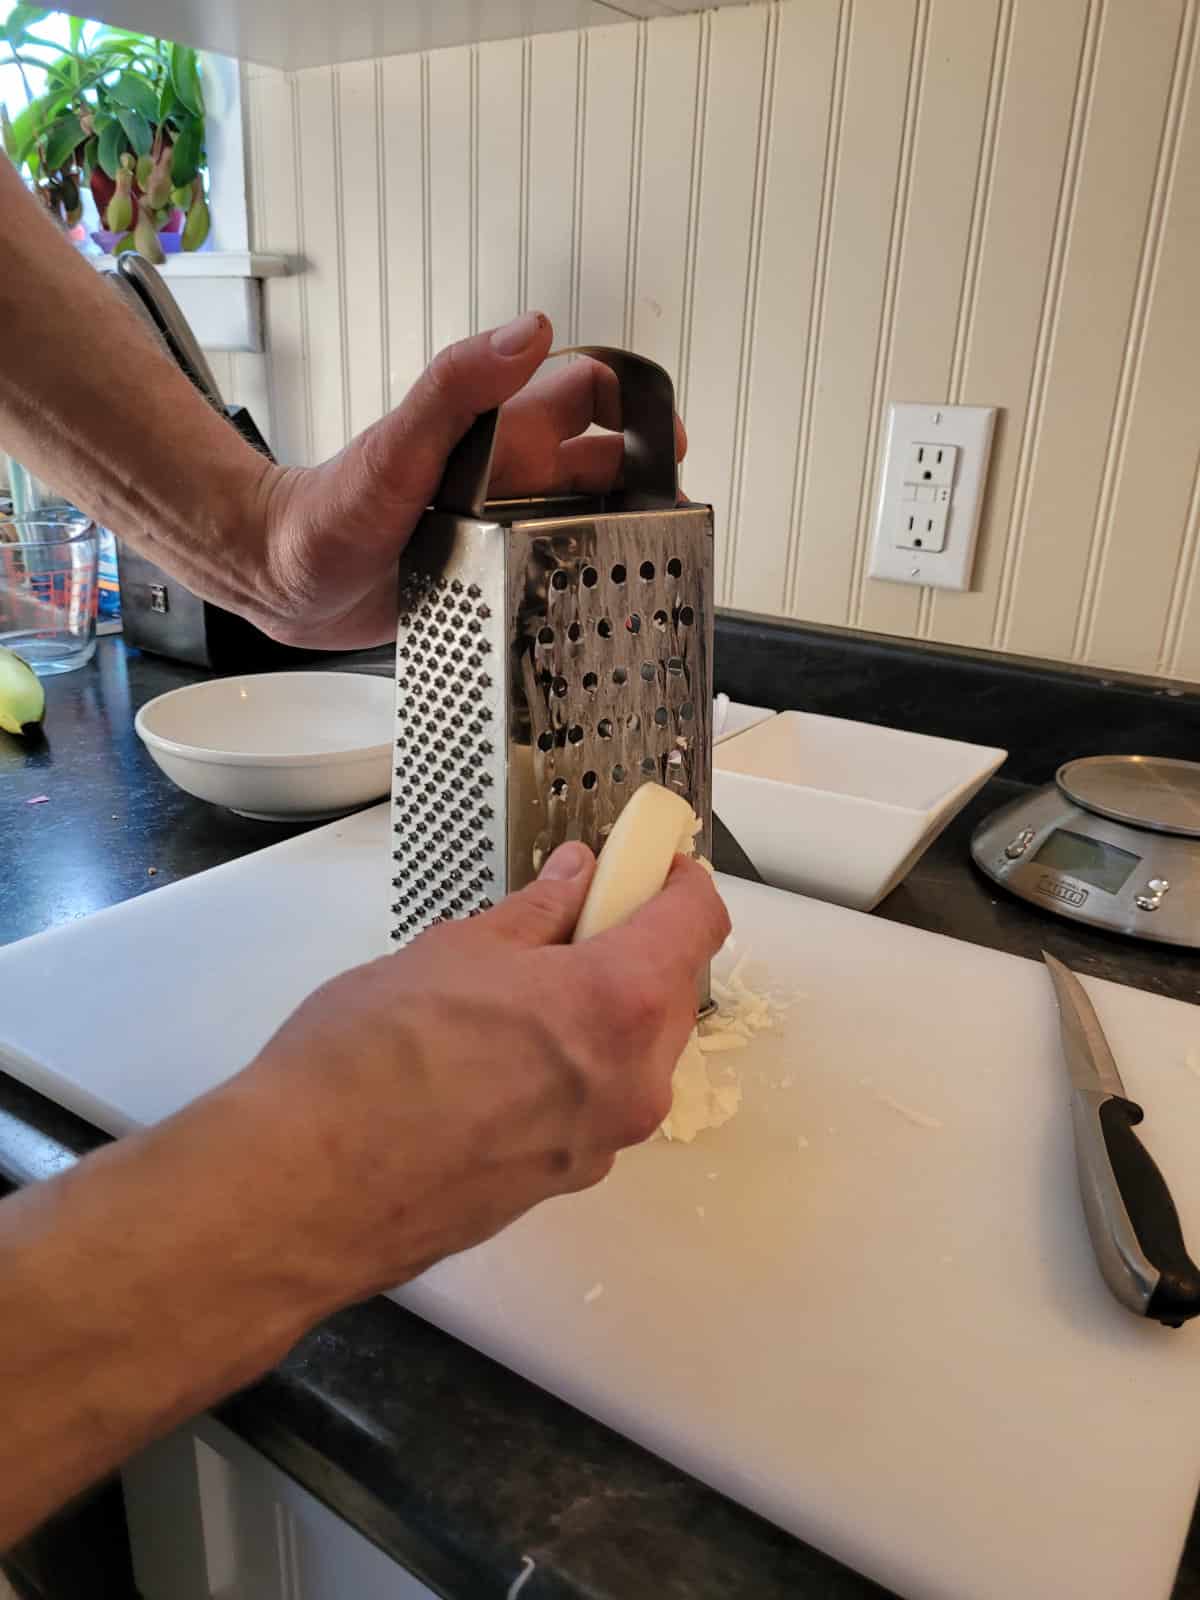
point(90, 403)
point(137, 1289)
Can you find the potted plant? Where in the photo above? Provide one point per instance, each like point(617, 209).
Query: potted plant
point(119, 113)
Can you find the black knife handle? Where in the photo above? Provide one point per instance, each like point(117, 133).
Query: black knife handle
point(1152, 1213)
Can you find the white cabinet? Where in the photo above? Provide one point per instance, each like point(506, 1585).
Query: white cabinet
point(211, 1519)
point(311, 33)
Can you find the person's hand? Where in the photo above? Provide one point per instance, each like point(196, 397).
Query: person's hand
point(414, 1106)
point(334, 532)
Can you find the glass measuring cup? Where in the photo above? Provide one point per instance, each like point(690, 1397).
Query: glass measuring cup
point(48, 589)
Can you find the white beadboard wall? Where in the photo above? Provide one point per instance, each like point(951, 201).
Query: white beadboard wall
point(803, 210)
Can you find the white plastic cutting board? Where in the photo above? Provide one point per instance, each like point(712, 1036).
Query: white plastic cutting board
point(886, 1336)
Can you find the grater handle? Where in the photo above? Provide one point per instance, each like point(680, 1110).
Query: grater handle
point(647, 412)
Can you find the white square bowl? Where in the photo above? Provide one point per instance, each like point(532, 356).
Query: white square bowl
point(842, 810)
point(731, 718)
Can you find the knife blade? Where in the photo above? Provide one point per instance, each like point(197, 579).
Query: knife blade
point(729, 856)
point(1131, 1216)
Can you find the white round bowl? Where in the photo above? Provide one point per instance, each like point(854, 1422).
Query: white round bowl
point(281, 746)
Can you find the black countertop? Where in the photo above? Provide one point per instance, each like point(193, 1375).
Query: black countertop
point(448, 1461)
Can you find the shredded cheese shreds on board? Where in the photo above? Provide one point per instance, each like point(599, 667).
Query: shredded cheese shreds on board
point(920, 1119)
point(699, 1101)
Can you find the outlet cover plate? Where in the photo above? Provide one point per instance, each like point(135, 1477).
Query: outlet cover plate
point(969, 430)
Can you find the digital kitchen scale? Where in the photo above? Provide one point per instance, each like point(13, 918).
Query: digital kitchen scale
point(1114, 841)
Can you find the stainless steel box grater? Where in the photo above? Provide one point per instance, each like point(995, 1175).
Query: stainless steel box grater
point(552, 656)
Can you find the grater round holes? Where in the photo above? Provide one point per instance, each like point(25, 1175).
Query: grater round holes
point(560, 581)
point(545, 741)
point(646, 572)
point(559, 687)
point(618, 573)
point(660, 716)
point(575, 734)
point(545, 677)
point(675, 758)
point(473, 591)
point(590, 577)
point(687, 711)
point(633, 623)
point(590, 681)
point(620, 675)
point(590, 780)
point(604, 728)
point(456, 586)
point(604, 628)
point(660, 621)
point(686, 616)
point(675, 665)
point(558, 788)
point(545, 636)
point(649, 672)
point(675, 567)
point(575, 632)
point(633, 722)
point(648, 765)
point(618, 773)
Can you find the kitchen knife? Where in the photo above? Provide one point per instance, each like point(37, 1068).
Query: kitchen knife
point(1130, 1214)
point(728, 855)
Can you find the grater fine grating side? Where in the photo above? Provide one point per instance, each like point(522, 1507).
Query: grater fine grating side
point(551, 657)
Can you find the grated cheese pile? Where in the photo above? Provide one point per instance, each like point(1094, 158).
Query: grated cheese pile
point(656, 825)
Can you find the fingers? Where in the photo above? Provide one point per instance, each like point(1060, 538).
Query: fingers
point(545, 912)
point(684, 926)
point(540, 443)
point(406, 452)
point(590, 465)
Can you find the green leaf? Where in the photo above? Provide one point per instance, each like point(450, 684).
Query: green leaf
point(134, 93)
point(137, 130)
point(111, 147)
point(185, 158)
point(75, 32)
point(19, 20)
point(167, 100)
point(185, 75)
point(91, 157)
point(30, 124)
point(66, 133)
point(6, 128)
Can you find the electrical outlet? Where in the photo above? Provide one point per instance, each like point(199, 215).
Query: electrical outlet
point(931, 463)
point(922, 527)
point(927, 518)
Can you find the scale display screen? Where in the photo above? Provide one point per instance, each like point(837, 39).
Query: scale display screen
point(1102, 865)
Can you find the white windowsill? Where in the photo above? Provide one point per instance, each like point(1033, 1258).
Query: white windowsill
point(211, 264)
point(219, 292)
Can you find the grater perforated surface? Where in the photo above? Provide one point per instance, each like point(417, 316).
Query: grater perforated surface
point(545, 669)
point(447, 795)
point(610, 623)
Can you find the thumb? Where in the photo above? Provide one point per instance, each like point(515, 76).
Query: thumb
point(546, 911)
point(408, 448)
